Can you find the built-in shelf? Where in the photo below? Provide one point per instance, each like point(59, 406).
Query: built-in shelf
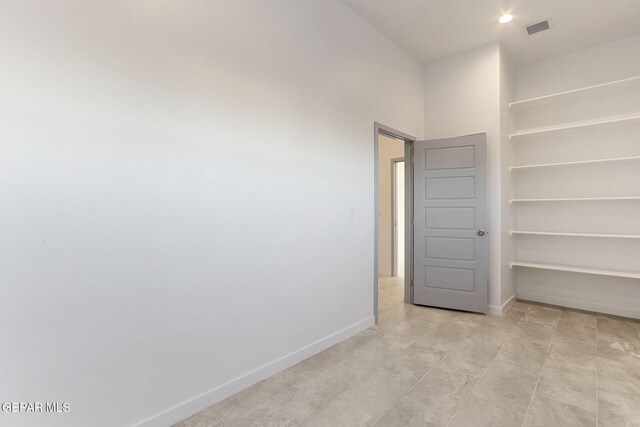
point(588, 119)
point(580, 92)
point(552, 233)
point(583, 270)
point(575, 163)
point(574, 199)
point(590, 124)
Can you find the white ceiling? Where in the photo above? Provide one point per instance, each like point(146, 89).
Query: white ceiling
point(434, 29)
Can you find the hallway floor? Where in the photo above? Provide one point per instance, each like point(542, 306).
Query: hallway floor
point(535, 366)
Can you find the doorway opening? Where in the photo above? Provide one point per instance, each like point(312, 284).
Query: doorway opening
point(392, 224)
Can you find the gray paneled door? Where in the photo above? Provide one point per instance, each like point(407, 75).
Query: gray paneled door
point(451, 248)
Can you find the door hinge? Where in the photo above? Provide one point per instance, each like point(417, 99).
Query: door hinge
point(412, 220)
point(411, 283)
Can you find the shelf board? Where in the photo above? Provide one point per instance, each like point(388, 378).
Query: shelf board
point(581, 162)
point(550, 233)
point(601, 123)
point(575, 199)
point(583, 270)
point(575, 93)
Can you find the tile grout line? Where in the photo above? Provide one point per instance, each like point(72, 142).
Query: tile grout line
point(377, 420)
point(535, 389)
point(421, 378)
point(491, 363)
point(380, 336)
point(398, 400)
point(428, 372)
point(407, 392)
point(434, 410)
point(403, 395)
point(302, 378)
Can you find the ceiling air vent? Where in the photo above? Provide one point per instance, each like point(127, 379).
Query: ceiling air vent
point(538, 27)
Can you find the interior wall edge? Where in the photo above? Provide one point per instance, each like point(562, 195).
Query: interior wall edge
point(499, 310)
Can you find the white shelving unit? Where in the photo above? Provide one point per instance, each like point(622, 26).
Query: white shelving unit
point(575, 126)
point(553, 233)
point(594, 90)
point(576, 163)
point(583, 270)
point(575, 199)
point(551, 199)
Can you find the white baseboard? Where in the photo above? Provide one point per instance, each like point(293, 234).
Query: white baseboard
point(217, 394)
point(499, 310)
point(580, 304)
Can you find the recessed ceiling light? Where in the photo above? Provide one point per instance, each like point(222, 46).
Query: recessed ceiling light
point(506, 18)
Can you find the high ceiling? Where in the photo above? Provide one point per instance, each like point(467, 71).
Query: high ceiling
point(433, 29)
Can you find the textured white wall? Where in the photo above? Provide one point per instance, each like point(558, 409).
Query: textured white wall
point(177, 180)
point(388, 148)
point(462, 96)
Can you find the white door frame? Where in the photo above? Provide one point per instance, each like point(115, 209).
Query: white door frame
point(378, 129)
point(394, 203)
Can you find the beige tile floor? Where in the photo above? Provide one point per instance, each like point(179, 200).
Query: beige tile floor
point(534, 366)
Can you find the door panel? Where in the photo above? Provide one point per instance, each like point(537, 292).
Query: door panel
point(460, 279)
point(450, 188)
point(450, 248)
point(449, 158)
point(451, 260)
point(450, 218)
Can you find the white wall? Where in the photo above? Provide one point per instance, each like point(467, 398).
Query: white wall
point(462, 96)
point(507, 247)
point(612, 61)
point(388, 149)
point(177, 180)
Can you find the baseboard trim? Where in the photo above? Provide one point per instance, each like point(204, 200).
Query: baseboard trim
point(499, 310)
point(580, 304)
point(217, 394)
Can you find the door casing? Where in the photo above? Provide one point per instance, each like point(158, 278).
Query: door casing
point(408, 211)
